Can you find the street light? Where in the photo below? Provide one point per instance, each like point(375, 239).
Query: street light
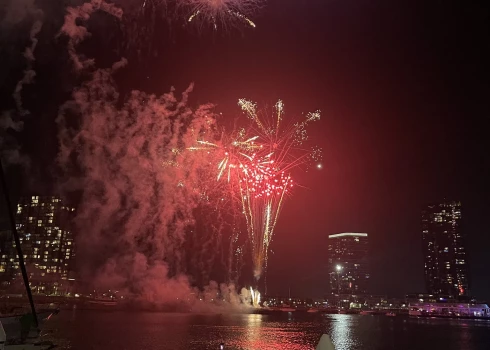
point(338, 268)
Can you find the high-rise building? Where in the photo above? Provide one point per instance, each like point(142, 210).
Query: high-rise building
point(444, 248)
point(44, 227)
point(5, 247)
point(348, 263)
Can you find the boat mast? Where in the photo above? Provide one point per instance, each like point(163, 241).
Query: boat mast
point(17, 244)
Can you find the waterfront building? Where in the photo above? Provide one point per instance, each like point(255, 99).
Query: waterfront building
point(444, 249)
point(5, 246)
point(298, 303)
point(348, 263)
point(44, 227)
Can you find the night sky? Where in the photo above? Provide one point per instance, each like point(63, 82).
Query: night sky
point(403, 87)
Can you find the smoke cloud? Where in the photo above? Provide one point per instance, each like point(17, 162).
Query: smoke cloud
point(141, 187)
point(10, 150)
point(77, 33)
point(16, 12)
point(29, 72)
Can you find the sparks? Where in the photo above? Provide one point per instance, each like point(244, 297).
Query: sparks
point(255, 295)
point(257, 169)
point(221, 13)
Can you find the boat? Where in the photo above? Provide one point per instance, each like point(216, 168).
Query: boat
point(450, 310)
point(390, 314)
point(366, 312)
point(32, 342)
point(325, 343)
point(313, 310)
point(103, 301)
point(42, 315)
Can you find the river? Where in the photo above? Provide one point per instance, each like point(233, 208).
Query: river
point(89, 329)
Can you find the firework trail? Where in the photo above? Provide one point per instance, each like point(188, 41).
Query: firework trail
point(256, 164)
point(255, 295)
point(278, 148)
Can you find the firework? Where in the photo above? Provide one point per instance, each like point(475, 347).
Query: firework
point(279, 146)
point(255, 294)
point(223, 13)
point(256, 164)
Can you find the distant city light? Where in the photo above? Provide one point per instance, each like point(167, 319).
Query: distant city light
point(319, 166)
point(338, 267)
point(49, 247)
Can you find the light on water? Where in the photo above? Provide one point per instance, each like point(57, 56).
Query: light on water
point(85, 329)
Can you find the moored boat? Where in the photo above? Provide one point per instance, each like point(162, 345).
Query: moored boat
point(367, 312)
point(104, 301)
point(450, 310)
point(15, 318)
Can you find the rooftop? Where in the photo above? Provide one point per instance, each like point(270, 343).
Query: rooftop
point(347, 234)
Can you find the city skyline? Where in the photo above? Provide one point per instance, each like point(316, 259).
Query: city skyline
point(44, 225)
point(348, 253)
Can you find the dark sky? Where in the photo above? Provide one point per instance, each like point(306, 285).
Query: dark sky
point(403, 87)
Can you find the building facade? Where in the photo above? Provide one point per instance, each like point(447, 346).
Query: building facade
point(348, 263)
point(44, 227)
point(444, 248)
point(5, 248)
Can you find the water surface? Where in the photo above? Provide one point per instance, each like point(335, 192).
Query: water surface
point(87, 329)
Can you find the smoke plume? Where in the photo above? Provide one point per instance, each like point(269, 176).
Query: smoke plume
point(11, 122)
point(141, 187)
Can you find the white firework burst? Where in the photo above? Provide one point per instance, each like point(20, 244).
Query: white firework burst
point(221, 13)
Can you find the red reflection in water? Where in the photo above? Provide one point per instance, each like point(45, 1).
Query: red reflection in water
point(260, 337)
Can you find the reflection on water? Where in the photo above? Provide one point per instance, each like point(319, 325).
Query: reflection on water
point(341, 334)
point(253, 328)
point(286, 331)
